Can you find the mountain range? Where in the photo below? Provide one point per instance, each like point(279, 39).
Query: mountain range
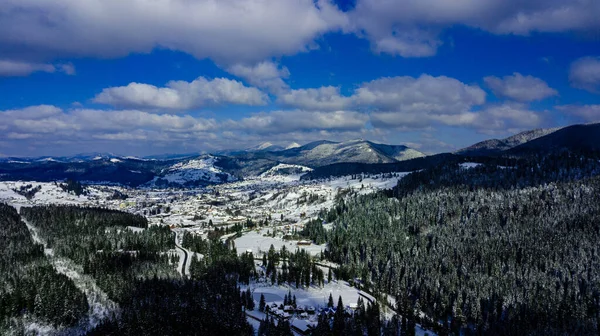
point(321, 158)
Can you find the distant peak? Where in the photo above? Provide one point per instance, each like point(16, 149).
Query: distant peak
point(293, 145)
point(264, 145)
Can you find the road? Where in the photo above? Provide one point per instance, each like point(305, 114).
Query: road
point(183, 266)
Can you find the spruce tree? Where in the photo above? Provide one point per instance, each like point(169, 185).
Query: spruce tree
point(262, 303)
point(338, 319)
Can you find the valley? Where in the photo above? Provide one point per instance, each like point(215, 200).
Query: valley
point(300, 249)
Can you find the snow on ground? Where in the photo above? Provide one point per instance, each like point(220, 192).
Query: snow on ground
point(468, 165)
point(313, 296)
point(259, 244)
point(194, 170)
point(285, 173)
point(49, 194)
point(101, 307)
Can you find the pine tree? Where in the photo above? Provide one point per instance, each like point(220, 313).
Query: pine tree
point(338, 319)
point(250, 300)
point(262, 303)
point(330, 302)
point(323, 328)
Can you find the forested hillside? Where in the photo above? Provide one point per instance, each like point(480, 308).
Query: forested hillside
point(486, 250)
point(137, 271)
point(30, 288)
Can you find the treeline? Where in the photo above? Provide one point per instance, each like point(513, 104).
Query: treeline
point(510, 254)
point(526, 172)
point(365, 320)
point(29, 285)
point(344, 169)
point(28, 191)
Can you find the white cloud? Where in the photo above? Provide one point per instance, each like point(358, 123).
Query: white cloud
point(407, 42)
point(323, 98)
point(182, 95)
point(265, 74)
point(51, 122)
point(585, 74)
point(424, 94)
point(493, 118)
point(48, 129)
point(298, 120)
point(11, 68)
point(123, 120)
point(250, 31)
point(507, 116)
point(586, 113)
point(519, 87)
point(411, 28)
point(228, 31)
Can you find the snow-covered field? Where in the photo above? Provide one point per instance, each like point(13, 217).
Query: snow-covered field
point(315, 297)
point(259, 244)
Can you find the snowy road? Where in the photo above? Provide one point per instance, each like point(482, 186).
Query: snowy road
point(184, 255)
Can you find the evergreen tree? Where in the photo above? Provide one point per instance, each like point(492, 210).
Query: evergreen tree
point(338, 319)
point(262, 303)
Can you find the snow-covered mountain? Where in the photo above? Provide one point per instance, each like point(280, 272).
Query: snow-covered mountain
point(198, 171)
point(495, 146)
point(323, 153)
point(575, 138)
point(293, 145)
point(265, 146)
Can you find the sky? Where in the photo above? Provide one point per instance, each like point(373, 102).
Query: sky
point(144, 77)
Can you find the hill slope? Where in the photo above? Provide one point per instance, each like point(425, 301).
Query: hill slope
point(496, 146)
point(574, 138)
point(322, 153)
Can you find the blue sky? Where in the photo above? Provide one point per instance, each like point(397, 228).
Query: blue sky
point(149, 77)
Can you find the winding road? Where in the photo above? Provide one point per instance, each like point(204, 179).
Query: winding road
point(183, 266)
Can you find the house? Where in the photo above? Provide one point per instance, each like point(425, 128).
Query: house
point(288, 309)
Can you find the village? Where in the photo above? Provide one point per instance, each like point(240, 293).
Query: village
point(251, 215)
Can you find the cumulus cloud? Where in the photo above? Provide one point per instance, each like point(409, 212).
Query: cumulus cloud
point(267, 75)
point(411, 28)
point(586, 113)
point(585, 74)
point(182, 95)
point(490, 119)
point(250, 31)
point(43, 127)
point(520, 88)
point(323, 98)
point(11, 68)
point(50, 122)
point(228, 31)
point(508, 116)
point(424, 94)
point(298, 120)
